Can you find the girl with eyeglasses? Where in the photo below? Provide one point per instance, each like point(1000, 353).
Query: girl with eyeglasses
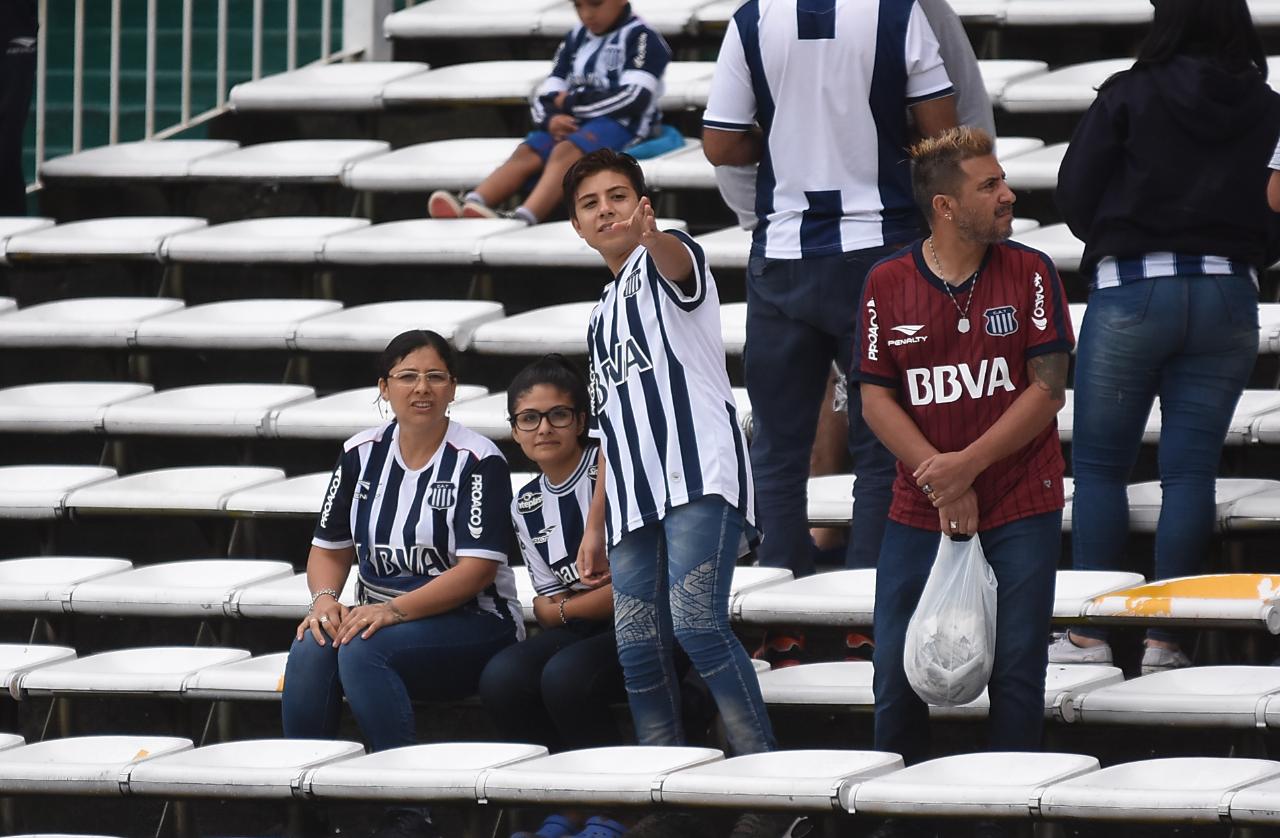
point(555, 688)
point(419, 506)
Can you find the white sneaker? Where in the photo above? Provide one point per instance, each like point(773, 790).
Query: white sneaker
point(444, 204)
point(1160, 659)
point(1062, 650)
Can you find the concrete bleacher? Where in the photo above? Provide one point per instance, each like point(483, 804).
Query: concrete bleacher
point(112, 627)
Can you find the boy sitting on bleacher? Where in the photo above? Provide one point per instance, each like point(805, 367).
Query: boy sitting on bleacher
point(603, 92)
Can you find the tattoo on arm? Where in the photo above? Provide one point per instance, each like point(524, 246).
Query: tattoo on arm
point(1049, 372)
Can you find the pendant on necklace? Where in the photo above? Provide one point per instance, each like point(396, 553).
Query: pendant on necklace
point(963, 325)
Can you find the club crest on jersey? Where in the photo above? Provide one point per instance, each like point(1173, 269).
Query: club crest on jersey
point(1001, 321)
point(529, 502)
point(631, 285)
point(442, 495)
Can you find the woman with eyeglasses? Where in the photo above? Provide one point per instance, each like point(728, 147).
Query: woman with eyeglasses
point(555, 688)
point(419, 505)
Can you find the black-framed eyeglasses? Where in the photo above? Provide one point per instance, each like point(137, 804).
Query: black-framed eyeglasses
point(559, 416)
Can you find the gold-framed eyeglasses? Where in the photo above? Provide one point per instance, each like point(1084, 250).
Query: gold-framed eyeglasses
point(409, 378)
point(559, 416)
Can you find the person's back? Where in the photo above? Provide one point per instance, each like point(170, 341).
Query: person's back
point(829, 96)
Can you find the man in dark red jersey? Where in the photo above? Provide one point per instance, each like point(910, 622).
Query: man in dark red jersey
point(963, 346)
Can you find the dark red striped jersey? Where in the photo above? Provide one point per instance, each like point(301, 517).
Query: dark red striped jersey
point(955, 383)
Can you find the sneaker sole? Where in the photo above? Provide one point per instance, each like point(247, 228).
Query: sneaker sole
point(443, 206)
point(475, 211)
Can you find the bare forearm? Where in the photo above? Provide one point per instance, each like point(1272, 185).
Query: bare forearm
point(328, 569)
point(670, 257)
point(732, 148)
point(1016, 427)
point(894, 427)
point(596, 604)
point(456, 586)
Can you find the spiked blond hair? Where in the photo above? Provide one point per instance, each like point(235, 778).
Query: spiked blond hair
point(935, 163)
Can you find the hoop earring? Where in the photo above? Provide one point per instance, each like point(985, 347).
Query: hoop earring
point(382, 406)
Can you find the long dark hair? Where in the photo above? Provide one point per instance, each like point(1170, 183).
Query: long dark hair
point(1220, 31)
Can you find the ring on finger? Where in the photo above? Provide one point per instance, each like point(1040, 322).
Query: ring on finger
point(324, 619)
point(928, 489)
point(955, 525)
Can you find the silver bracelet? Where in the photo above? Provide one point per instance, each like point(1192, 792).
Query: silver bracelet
point(330, 591)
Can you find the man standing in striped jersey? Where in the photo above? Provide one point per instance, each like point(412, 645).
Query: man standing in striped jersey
point(963, 346)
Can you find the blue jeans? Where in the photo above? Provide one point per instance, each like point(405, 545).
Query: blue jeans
point(436, 658)
point(555, 688)
point(1024, 556)
point(1193, 342)
point(800, 317)
point(671, 581)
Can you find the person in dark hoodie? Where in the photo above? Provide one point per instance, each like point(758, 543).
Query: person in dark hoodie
point(1165, 180)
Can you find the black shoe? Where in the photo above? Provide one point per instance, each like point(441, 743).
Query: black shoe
point(405, 823)
point(903, 828)
point(763, 825)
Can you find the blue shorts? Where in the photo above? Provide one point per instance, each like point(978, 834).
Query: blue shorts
point(598, 133)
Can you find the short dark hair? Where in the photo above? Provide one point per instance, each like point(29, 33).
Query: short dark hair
point(555, 371)
point(935, 163)
point(1220, 31)
point(411, 341)
point(602, 160)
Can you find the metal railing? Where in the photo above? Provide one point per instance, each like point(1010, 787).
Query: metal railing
point(361, 31)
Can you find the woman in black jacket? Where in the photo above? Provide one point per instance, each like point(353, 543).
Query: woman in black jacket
point(1165, 180)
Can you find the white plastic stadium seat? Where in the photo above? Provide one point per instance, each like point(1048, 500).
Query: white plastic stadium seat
point(173, 491)
point(10, 740)
point(143, 160)
point(831, 500)
point(727, 248)
point(747, 579)
point(255, 768)
point(158, 671)
point(1235, 600)
point(733, 328)
point(233, 324)
point(40, 492)
point(1199, 696)
point(980, 785)
point(90, 322)
point(1252, 406)
point(7, 304)
point(356, 86)
point(1187, 790)
point(1145, 500)
point(1077, 12)
point(17, 659)
point(1036, 169)
point(836, 598)
point(43, 584)
point(254, 679)
point(11, 226)
point(1058, 243)
point(224, 410)
point(367, 328)
point(301, 496)
point(618, 776)
point(1074, 589)
point(342, 414)
point(440, 164)
point(686, 85)
point(466, 19)
point(1269, 324)
point(1008, 148)
point(555, 245)
point(560, 328)
point(805, 780)
point(114, 238)
point(480, 82)
point(1065, 90)
point(525, 592)
point(64, 406)
point(288, 161)
point(219, 410)
point(1256, 804)
point(667, 17)
point(439, 771)
point(420, 241)
point(831, 684)
point(998, 74)
point(486, 416)
point(80, 765)
point(1255, 512)
point(285, 599)
point(684, 168)
point(196, 588)
point(1064, 684)
point(295, 241)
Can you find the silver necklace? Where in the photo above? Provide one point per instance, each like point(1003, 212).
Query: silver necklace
point(962, 326)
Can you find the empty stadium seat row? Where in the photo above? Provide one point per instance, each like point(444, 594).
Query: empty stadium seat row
point(1018, 787)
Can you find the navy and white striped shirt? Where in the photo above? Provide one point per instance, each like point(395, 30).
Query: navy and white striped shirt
point(550, 520)
point(660, 398)
point(408, 526)
point(829, 83)
point(616, 75)
point(1112, 272)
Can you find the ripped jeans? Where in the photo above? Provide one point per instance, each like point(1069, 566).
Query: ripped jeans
point(671, 583)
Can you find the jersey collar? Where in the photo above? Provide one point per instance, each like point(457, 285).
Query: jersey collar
point(589, 455)
point(922, 267)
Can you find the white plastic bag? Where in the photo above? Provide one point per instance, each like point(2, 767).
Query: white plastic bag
point(951, 639)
